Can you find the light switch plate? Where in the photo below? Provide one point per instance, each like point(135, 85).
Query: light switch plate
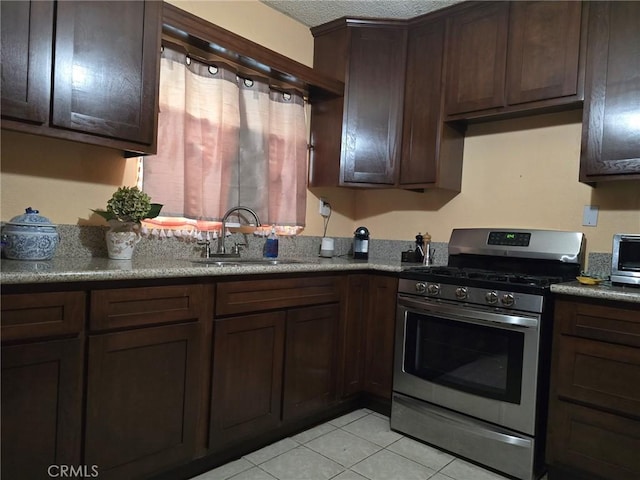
point(590, 216)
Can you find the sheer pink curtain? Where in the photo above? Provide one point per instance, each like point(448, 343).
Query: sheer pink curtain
point(225, 141)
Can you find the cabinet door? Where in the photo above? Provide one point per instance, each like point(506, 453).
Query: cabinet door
point(423, 96)
point(247, 377)
point(477, 49)
point(544, 49)
point(610, 125)
point(330, 53)
point(352, 334)
point(431, 149)
point(142, 399)
point(41, 407)
point(372, 130)
point(381, 316)
point(310, 361)
point(593, 443)
point(27, 30)
point(105, 75)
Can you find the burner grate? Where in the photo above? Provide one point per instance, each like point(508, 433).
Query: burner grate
point(450, 274)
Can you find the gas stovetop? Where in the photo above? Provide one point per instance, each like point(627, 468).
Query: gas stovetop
point(475, 286)
point(456, 274)
point(503, 264)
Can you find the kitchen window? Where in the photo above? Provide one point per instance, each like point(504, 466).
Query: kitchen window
point(225, 139)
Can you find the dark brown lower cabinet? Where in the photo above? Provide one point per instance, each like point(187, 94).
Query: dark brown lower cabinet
point(41, 408)
point(167, 383)
point(269, 368)
point(352, 331)
point(379, 336)
point(594, 407)
point(310, 360)
point(142, 399)
point(247, 377)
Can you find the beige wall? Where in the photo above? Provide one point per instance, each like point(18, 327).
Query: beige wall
point(517, 173)
point(62, 179)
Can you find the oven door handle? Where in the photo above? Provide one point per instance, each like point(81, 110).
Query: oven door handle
point(467, 425)
point(460, 313)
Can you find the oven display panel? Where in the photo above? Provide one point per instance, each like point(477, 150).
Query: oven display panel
point(510, 239)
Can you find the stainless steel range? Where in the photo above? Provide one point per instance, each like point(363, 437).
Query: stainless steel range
point(473, 343)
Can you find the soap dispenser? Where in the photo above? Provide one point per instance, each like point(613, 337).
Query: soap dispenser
point(271, 245)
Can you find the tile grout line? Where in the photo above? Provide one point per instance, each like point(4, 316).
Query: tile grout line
point(344, 469)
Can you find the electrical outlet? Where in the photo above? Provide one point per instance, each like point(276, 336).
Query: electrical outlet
point(324, 208)
point(590, 216)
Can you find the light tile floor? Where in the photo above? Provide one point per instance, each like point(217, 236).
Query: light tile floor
point(356, 446)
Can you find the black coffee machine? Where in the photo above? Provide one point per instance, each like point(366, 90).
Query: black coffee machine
point(361, 244)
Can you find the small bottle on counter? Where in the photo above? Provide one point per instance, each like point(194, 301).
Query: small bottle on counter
point(271, 245)
point(428, 252)
point(419, 251)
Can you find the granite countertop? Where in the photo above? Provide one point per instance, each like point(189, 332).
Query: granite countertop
point(71, 269)
point(604, 291)
point(74, 269)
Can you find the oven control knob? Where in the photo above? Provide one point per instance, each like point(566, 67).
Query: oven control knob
point(461, 293)
point(421, 287)
point(507, 300)
point(433, 289)
point(491, 298)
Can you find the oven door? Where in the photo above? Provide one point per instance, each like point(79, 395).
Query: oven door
point(474, 360)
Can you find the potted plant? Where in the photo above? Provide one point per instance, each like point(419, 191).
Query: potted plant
point(125, 210)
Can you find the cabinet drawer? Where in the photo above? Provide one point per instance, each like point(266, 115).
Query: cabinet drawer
point(26, 316)
point(601, 374)
point(599, 443)
point(252, 296)
point(620, 324)
point(134, 307)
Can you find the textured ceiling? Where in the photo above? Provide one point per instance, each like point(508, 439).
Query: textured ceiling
point(317, 12)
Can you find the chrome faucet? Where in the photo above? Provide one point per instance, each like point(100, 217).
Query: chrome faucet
point(235, 251)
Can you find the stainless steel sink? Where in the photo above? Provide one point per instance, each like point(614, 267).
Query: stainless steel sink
point(238, 262)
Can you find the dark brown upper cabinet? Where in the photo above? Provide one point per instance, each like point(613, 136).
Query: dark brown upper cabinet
point(611, 115)
point(27, 32)
point(106, 69)
point(544, 51)
point(509, 58)
point(477, 48)
point(356, 140)
point(431, 150)
point(103, 77)
point(387, 131)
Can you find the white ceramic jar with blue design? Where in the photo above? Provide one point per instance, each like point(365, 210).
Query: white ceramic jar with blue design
point(29, 236)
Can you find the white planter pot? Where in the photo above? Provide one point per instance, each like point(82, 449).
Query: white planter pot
point(122, 240)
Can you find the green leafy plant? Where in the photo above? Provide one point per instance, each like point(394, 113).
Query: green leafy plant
point(130, 204)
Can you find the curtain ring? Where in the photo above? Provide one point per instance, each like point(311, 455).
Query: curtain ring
point(286, 96)
point(248, 82)
point(213, 70)
point(187, 60)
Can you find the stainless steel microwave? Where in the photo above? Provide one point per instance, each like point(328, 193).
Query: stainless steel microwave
point(625, 261)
